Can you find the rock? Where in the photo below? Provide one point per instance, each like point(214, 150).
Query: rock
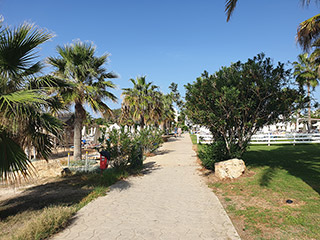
point(230, 169)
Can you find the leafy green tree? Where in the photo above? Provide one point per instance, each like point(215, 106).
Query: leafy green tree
point(306, 74)
point(142, 103)
point(23, 99)
point(86, 76)
point(100, 121)
point(236, 101)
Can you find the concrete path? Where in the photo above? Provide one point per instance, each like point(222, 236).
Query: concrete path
point(170, 201)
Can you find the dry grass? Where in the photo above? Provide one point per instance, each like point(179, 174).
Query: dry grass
point(41, 210)
point(44, 223)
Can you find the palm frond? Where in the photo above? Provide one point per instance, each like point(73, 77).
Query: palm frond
point(18, 102)
point(48, 81)
point(13, 161)
point(17, 49)
point(307, 2)
point(229, 8)
point(308, 31)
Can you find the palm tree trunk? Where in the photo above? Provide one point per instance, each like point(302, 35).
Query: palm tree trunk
point(309, 110)
point(79, 115)
point(142, 122)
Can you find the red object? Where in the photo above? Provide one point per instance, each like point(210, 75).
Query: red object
point(103, 162)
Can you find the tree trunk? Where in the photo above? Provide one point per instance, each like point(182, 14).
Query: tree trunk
point(142, 122)
point(309, 110)
point(79, 116)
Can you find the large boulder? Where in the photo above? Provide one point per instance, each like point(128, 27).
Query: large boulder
point(229, 169)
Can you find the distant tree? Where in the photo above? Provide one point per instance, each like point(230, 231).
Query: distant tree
point(238, 100)
point(86, 75)
point(116, 114)
point(306, 74)
point(100, 121)
point(175, 95)
point(142, 103)
point(168, 113)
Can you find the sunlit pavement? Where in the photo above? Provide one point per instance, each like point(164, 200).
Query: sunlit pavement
point(170, 201)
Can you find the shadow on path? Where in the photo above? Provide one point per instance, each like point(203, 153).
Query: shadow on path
point(150, 167)
point(163, 152)
point(120, 185)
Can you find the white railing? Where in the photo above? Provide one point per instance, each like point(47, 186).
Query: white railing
point(268, 139)
point(204, 138)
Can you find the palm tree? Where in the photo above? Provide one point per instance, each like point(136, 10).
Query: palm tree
point(142, 102)
point(315, 55)
point(168, 113)
point(23, 124)
point(78, 66)
point(308, 32)
point(305, 72)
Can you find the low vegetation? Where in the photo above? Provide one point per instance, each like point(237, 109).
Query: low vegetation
point(257, 202)
point(42, 210)
point(127, 148)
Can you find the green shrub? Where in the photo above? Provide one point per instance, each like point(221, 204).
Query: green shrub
point(150, 139)
point(136, 156)
point(212, 153)
point(126, 149)
point(185, 128)
point(119, 145)
point(206, 156)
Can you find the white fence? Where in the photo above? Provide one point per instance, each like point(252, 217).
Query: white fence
point(268, 139)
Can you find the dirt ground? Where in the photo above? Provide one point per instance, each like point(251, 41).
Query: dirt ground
point(45, 174)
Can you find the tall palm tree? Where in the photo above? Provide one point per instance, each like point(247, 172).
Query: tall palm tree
point(142, 102)
point(306, 74)
point(86, 76)
point(168, 113)
point(23, 98)
point(156, 108)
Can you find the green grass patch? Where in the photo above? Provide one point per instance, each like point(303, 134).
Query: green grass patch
point(194, 142)
point(193, 138)
point(257, 202)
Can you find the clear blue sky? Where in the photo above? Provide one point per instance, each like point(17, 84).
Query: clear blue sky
point(168, 40)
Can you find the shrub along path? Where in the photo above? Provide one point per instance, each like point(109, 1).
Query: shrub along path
point(169, 201)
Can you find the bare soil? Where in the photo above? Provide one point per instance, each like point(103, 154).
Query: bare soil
point(43, 188)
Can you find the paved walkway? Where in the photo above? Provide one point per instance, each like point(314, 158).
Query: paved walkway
point(170, 201)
